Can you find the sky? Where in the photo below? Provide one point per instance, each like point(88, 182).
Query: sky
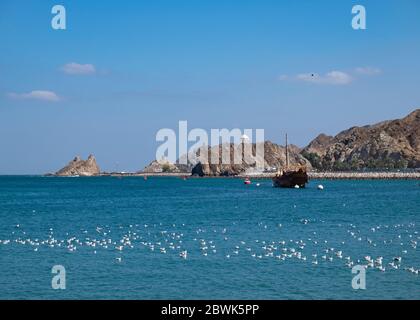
point(122, 70)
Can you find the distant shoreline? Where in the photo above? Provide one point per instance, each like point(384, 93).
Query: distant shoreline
point(312, 175)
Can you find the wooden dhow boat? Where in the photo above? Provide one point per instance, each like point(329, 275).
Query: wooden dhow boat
point(291, 176)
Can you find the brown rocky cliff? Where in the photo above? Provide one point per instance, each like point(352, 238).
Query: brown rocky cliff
point(385, 145)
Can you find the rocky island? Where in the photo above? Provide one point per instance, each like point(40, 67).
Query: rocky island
point(80, 167)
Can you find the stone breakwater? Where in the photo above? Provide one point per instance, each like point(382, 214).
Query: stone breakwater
point(348, 175)
point(352, 175)
point(365, 175)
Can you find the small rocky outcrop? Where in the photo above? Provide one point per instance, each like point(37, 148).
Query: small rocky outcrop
point(80, 167)
point(161, 166)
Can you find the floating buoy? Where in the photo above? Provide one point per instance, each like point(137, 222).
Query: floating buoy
point(297, 187)
point(258, 184)
point(320, 187)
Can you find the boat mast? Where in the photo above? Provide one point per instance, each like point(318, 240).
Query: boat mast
point(287, 154)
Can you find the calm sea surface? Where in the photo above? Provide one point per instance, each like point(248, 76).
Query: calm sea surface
point(122, 238)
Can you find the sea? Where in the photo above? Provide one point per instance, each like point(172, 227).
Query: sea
point(207, 238)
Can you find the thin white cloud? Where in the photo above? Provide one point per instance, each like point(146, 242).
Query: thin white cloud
point(43, 95)
point(332, 77)
point(368, 71)
point(74, 68)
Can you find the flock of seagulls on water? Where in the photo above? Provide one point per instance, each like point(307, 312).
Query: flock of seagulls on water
point(186, 242)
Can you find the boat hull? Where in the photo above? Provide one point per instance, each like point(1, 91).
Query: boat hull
point(291, 179)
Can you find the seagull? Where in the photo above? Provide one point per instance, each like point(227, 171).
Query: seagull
point(397, 259)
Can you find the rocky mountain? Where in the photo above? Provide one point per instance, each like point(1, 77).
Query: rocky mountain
point(274, 158)
point(319, 144)
point(385, 145)
point(79, 167)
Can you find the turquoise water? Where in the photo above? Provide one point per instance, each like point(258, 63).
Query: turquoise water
point(122, 238)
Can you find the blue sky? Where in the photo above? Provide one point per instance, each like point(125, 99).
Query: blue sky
point(122, 70)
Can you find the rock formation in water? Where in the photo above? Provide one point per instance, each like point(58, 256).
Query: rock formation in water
point(386, 145)
point(79, 167)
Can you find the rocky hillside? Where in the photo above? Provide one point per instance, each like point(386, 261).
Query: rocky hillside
point(386, 145)
point(79, 167)
point(274, 157)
